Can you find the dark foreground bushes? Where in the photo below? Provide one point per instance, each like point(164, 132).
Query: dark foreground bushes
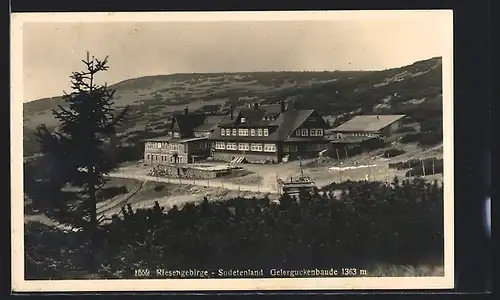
point(423, 139)
point(392, 152)
point(418, 167)
point(398, 223)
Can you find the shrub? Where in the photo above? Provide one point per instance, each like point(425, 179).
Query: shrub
point(159, 187)
point(423, 138)
point(317, 231)
point(416, 167)
point(392, 152)
point(429, 167)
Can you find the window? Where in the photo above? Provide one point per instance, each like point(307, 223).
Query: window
point(266, 132)
point(220, 145)
point(256, 147)
point(231, 146)
point(243, 146)
point(149, 157)
point(223, 132)
point(243, 132)
point(176, 134)
point(180, 159)
point(269, 148)
point(252, 132)
point(304, 132)
point(259, 131)
point(234, 131)
point(297, 132)
point(242, 120)
point(317, 132)
point(228, 132)
point(158, 145)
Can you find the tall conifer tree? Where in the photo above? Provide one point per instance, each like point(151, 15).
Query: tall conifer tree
point(77, 148)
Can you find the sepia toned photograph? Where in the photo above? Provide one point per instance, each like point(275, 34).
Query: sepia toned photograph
point(232, 151)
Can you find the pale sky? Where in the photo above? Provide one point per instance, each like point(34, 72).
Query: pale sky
point(51, 51)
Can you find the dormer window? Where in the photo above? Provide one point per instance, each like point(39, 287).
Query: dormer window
point(228, 132)
point(234, 132)
point(223, 131)
point(252, 132)
point(266, 132)
point(305, 132)
point(242, 120)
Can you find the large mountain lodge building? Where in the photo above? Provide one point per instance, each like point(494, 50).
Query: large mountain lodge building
point(272, 133)
point(260, 133)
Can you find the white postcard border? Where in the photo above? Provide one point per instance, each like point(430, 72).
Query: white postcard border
point(368, 283)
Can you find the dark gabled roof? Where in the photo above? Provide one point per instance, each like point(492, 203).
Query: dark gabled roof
point(368, 123)
point(210, 123)
point(173, 140)
point(301, 117)
point(187, 122)
point(262, 115)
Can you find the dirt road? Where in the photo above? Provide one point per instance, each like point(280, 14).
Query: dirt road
point(142, 175)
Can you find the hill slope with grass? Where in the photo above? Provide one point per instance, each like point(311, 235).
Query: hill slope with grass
point(415, 90)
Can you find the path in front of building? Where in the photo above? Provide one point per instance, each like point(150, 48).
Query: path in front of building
point(137, 174)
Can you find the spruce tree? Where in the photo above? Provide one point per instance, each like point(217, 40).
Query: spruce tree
point(77, 148)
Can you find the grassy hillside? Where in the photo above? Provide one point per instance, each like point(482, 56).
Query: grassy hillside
point(414, 90)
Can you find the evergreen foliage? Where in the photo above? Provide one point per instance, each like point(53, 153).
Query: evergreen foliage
point(77, 152)
point(394, 223)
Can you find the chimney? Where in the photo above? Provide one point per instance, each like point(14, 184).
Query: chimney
point(186, 110)
point(282, 106)
point(378, 117)
point(231, 111)
point(256, 105)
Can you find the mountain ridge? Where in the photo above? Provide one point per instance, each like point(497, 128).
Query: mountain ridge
point(414, 89)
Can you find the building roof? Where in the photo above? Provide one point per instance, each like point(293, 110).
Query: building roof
point(210, 123)
point(350, 139)
point(174, 140)
point(263, 114)
point(368, 123)
point(165, 138)
point(188, 121)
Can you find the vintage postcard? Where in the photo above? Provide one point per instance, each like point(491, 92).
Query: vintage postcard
point(219, 151)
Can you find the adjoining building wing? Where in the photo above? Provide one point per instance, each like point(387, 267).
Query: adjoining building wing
point(369, 125)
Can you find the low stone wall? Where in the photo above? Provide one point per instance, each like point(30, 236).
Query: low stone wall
point(186, 172)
